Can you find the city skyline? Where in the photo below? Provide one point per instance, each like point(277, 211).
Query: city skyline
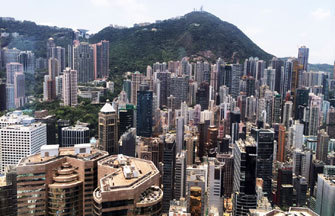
point(278, 30)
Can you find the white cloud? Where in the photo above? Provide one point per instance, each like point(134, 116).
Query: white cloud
point(321, 14)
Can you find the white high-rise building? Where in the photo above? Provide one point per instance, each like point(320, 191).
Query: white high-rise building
point(325, 196)
point(19, 140)
point(180, 175)
point(215, 176)
point(296, 137)
point(70, 87)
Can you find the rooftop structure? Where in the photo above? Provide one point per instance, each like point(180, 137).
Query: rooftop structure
point(293, 211)
point(133, 181)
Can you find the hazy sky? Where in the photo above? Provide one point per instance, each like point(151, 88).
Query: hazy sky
point(277, 26)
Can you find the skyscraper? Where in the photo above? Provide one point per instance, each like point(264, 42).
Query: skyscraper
point(108, 129)
point(164, 78)
point(281, 144)
point(19, 89)
point(215, 184)
point(136, 80)
point(287, 113)
point(169, 161)
point(50, 45)
point(264, 139)
point(83, 62)
point(303, 54)
point(202, 95)
point(70, 87)
point(325, 197)
point(144, 111)
point(11, 69)
point(101, 59)
point(235, 79)
point(322, 147)
point(314, 119)
point(59, 54)
point(180, 175)
point(27, 59)
point(244, 197)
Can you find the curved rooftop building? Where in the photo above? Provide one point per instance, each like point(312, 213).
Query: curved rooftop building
point(127, 186)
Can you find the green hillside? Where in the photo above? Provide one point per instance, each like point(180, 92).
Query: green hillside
point(195, 34)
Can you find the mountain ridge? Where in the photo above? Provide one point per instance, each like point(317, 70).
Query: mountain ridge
point(194, 34)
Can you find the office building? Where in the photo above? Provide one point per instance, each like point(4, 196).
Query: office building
point(108, 129)
point(78, 134)
point(70, 97)
point(127, 186)
point(215, 189)
point(169, 161)
point(303, 53)
point(288, 106)
point(67, 178)
point(180, 175)
point(127, 118)
point(19, 140)
point(245, 157)
point(265, 144)
point(127, 143)
point(284, 190)
point(202, 95)
point(83, 62)
point(144, 111)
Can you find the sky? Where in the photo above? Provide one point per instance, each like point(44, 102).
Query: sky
point(277, 26)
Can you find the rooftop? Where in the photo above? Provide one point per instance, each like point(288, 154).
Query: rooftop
point(37, 159)
point(24, 128)
point(125, 172)
point(293, 211)
point(107, 108)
